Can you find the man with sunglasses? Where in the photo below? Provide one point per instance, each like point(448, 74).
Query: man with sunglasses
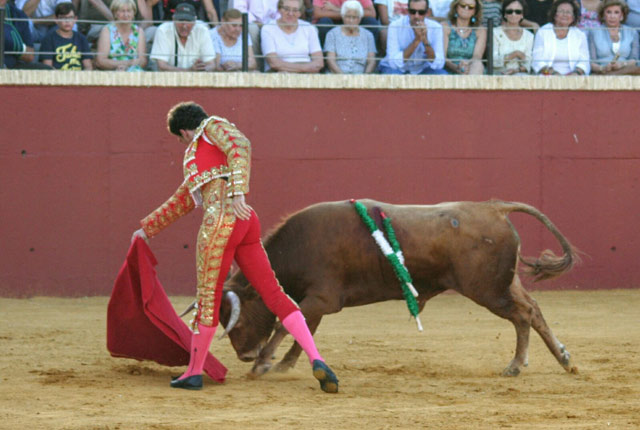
point(414, 44)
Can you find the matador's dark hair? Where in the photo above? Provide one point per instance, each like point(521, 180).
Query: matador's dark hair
point(185, 116)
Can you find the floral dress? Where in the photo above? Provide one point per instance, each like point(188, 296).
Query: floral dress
point(460, 48)
point(121, 51)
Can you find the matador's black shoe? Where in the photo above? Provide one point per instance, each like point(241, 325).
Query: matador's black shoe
point(193, 382)
point(328, 379)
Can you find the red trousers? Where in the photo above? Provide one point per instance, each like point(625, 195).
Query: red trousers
point(222, 238)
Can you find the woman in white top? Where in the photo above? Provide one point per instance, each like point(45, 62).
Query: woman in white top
point(512, 44)
point(228, 44)
point(289, 44)
point(559, 47)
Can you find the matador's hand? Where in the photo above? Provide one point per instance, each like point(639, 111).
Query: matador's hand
point(240, 208)
point(141, 234)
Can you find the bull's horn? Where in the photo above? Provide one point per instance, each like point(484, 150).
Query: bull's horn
point(234, 301)
point(189, 309)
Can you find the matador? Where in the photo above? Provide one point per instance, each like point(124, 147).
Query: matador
point(216, 169)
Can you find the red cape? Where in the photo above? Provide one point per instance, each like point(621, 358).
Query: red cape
point(141, 321)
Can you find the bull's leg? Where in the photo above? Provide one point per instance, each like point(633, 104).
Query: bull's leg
point(263, 363)
point(291, 357)
point(557, 349)
point(513, 306)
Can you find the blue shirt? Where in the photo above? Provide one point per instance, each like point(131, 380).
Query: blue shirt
point(601, 47)
point(400, 37)
point(66, 54)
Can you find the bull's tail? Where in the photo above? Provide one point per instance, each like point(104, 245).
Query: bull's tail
point(548, 265)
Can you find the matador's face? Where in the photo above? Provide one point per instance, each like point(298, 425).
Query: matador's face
point(186, 136)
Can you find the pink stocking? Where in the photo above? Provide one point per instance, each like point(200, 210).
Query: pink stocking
point(199, 348)
point(297, 327)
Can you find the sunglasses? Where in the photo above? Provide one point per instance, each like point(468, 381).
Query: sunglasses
point(466, 6)
point(513, 12)
point(418, 11)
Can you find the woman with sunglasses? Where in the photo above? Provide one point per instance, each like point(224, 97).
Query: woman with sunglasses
point(512, 44)
point(464, 40)
point(614, 46)
point(290, 44)
point(559, 47)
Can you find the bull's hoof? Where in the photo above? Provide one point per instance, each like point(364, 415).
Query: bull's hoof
point(260, 369)
point(328, 379)
point(511, 371)
point(565, 361)
point(282, 367)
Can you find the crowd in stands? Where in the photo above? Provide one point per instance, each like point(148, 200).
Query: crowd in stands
point(544, 37)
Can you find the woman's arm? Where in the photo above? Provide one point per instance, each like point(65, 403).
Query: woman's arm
point(449, 64)
point(332, 64)
point(142, 50)
point(104, 46)
point(383, 14)
point(210, 10)
point(583, 54)
point(145, 13)
point(481, 44)
point(253, 64)
point(102, 8)
point(312, 66)
point(371, 63)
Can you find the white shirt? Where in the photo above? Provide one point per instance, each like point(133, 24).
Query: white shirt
point(45, 7)
point(198, 45)
point(296, 47)
point(396, 9)
point(262, 11)
point(439, 8)
point(401, 35)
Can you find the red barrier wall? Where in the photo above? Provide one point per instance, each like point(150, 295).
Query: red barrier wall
point(77, 175)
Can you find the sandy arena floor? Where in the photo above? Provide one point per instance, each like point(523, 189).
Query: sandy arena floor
point(57, 374)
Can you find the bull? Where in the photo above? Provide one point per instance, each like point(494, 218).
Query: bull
point(325, 259)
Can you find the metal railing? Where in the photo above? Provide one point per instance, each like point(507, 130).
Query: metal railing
point(487, 61)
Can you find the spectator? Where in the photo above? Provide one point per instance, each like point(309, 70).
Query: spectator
point(43, 12)
point(539, 12)
point(63, 48)
point(228, 44)
point(183, 44)
point(205, 9)
point(291, 45)
point(99, 10)
point(491, 11)
point(120, 46)
point(560, 48)
point(388, 12)
point(18, 39)
point(439, 9)
point(414, 44)
point(349, 48)
point(589, 14)
point(464, 40)
point(326, 14)
point(613, 47)
point(633, 18)
point(512, 44)
point(259, 13)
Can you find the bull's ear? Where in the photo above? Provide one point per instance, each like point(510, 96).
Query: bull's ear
point(234, 304)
